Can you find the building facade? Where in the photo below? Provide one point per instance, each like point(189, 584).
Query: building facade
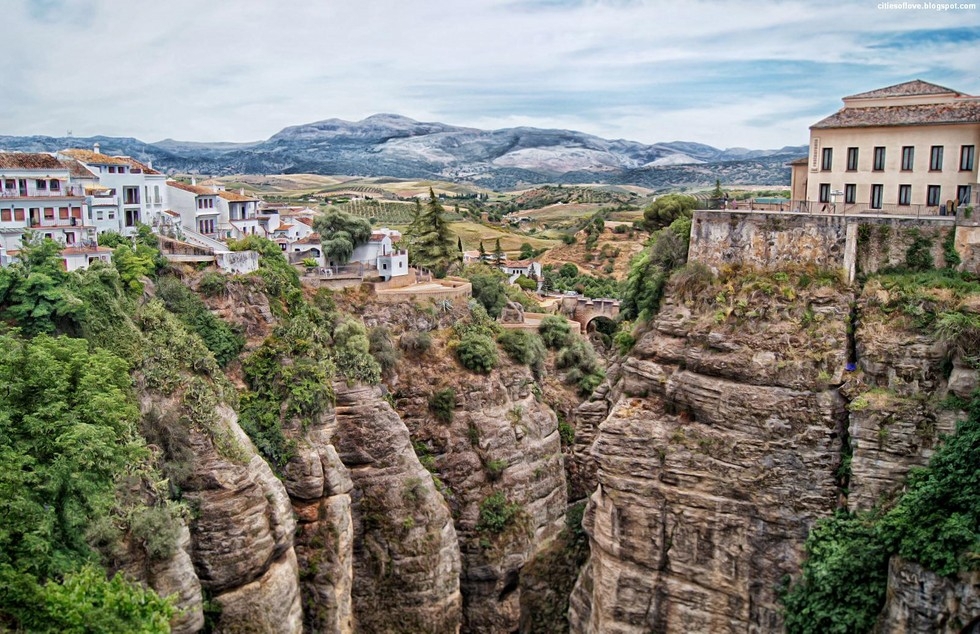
point(908, 148)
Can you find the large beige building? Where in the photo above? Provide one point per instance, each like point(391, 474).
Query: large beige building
point(909, 148)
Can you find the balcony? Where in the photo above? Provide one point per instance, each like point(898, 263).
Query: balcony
point(30, 192)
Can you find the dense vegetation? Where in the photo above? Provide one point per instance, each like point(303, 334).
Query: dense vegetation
point(431, 244)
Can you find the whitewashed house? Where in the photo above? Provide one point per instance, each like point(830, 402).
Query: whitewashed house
point(139, 190)
point(199, 209)
point(379, 252)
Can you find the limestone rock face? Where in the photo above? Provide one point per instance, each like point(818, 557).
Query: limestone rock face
point(894, 422)
point(500, 441)
point(405, 552)
point(719, 452)
point(319, 486)
point(241, 540)
point(918, 600)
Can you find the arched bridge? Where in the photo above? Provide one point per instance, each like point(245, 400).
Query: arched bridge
point(584, 309)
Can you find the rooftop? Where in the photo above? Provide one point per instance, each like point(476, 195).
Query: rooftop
point(962, 110)
point(236, 198)
point(97, 158)
point(29, 161)
point(197, 190)
point(914, 88)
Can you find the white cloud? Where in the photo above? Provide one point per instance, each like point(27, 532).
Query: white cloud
point(649, 71)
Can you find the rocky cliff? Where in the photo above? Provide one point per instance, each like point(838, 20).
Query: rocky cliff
point(720, 449)
point(755, 404)
point(500, 440)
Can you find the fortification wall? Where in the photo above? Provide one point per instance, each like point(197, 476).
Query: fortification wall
point(856, 244)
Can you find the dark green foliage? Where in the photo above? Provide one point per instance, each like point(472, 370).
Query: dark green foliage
point(527, 251)
point(567, 278)
point(555, 331)
point(217, 335)
point(581, 364)
point(290, 377)
point(442, 404)
point(950, 255)
point(415, 343)
point(936, 523)
point(431, 244)
point(650, 270)
point(497, 514)
point(84, 602)
point(624, 341)
point(524, 347)
point(918, 256)
point(67, 424)
point(844, 578)
point(567, 433)
point(526, 283)
point(568, 270)
point(498, 253)
point(477, 352)
point(352, 353)
point(213, 284)
point(488, 288)
point(382, 348)
point(37, 293)
point(668, 208)
point(281, 279)
point(340, 233)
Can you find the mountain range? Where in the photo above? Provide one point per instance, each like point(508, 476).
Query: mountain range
point(396, 146)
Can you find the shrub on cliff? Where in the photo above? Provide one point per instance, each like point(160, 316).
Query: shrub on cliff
point(497, 514)
point(477, 352)
point(555, 331)
point(442, 404)
point(352, 353)
point(219, 337)
point(416, 343)
point(524, 347)
point(582, 365)
point(649, 271)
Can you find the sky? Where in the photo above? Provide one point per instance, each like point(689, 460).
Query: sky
point(730, 74)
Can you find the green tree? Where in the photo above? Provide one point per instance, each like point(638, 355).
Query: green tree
point(717, 194)
point(527, 251)
point(340, 233)
point(650, 270)
point(498, 253)
point(483, 252)
point(430, 241)
point(665, 209)
point(36, 292)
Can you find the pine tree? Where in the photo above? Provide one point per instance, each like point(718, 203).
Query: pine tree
point(483, 252)
point(430, 240)
point(498, 253)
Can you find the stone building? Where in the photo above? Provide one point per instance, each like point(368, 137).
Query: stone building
point(908, 148)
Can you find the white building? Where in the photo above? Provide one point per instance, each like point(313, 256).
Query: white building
point(139, 190)
point(380, 253)
point(527, 268)
point(242, 213)
point(199, 209)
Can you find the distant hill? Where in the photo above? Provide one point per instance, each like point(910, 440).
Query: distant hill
point(393, 145)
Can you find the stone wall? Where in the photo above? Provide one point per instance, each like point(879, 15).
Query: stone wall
point(856, 244)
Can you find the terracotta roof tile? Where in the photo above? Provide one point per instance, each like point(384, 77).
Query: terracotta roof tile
point(29, 160)
point(956, 111)
point(76, 169)
point(913, 88)
point(236, 197)
point(94, 158)
point(194, 189)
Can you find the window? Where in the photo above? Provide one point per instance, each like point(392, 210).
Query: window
point(41, 185)
point(112, 215)
point(131, 195)
point(76, 212)
point(11, 184)
point(876, 192)
point(70, 237)
point(49, 213)
point(63, 213)
point(879, 159)
point(904, 194)
point(966, 158)
point(850, 193)
point(5, 215)
point(19, 214)
point(825, 192)
point(963, 193)
point(112, 169)
point(156, 194)
point(934, 195)
point(936, 158)
point(852, 159)
point(908, 158)
point(55, 185)
point(814, 154)
point(827, 162)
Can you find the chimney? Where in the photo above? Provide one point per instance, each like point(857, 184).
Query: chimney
point(95, 148)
